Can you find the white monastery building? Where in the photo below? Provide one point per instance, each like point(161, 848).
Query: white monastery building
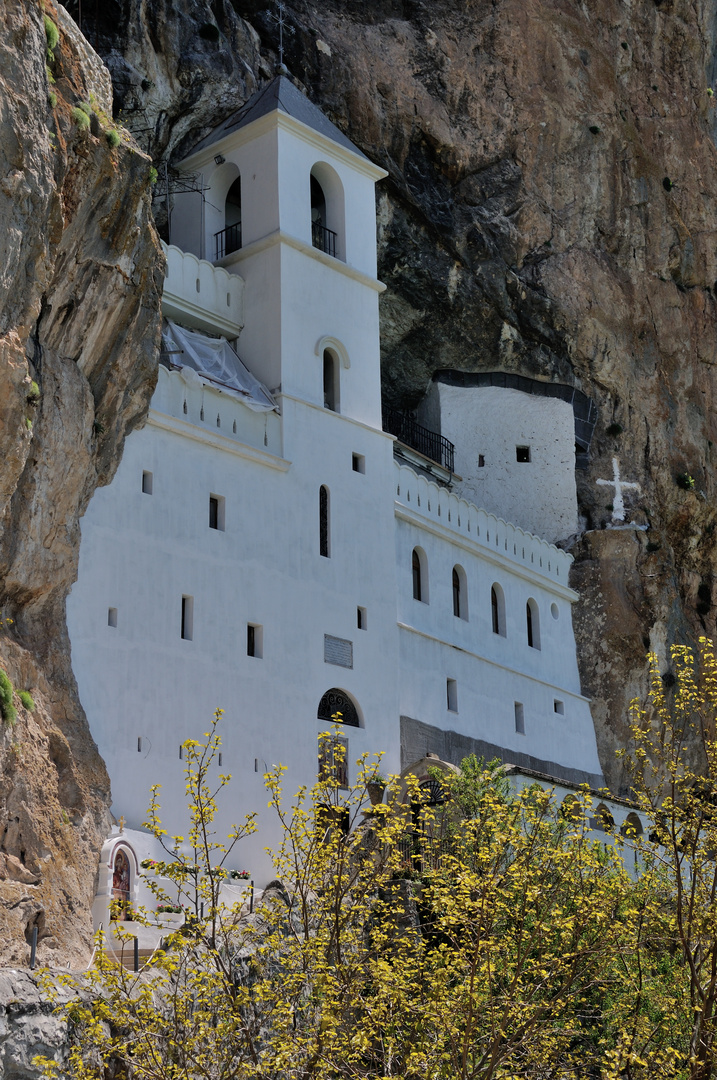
point(268, 548)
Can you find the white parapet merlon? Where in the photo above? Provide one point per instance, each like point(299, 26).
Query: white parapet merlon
point(499, 541)
point(201, 295)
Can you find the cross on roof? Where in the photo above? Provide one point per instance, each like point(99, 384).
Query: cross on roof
point(280, 20)
point(618, 506)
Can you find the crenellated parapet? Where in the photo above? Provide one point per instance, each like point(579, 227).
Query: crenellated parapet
point(201, 295)
point(496, 538)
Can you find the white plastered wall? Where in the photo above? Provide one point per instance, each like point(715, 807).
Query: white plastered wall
point(540, 494)
point(140, 553)
point(492, 672)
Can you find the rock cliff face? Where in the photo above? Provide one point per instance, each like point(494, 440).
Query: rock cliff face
point(550, 210)
point(80, 278)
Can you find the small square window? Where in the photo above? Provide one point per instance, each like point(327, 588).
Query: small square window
point(452, 695)
point(481, 461)
point(254, 640)
point(361, 618)
point(358, 463)
point(147, 483)
point(559, 707)
point(519, 718)
point(216, 512)
point(522, 453)
point(112, 616)
point(187, 617)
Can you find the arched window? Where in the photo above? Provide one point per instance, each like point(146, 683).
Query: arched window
point(322, 237)
point(631, 827)
point(337, 707)
point(324, 523)
point(331, 381)
point(497, 610)
point(571, 808)
point(327, 210)
point(532, 620)
point(603, 821)
point(229, 239)
point(460, 593)
point(420, 575)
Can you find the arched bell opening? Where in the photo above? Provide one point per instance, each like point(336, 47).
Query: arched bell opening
point(327, 210)
point(232, 217)
point(223, 211)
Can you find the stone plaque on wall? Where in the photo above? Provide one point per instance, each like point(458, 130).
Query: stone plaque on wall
point(338, 651)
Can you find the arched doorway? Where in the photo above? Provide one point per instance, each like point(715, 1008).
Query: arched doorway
point(121, 887)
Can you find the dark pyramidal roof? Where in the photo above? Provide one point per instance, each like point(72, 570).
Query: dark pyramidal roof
point(279, 94)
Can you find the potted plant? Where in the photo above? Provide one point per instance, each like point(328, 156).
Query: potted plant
point(375, 786)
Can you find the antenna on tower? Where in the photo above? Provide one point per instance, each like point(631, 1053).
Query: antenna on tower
point(280, 19)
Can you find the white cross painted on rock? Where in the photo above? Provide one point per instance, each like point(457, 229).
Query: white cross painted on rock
point(618, 506)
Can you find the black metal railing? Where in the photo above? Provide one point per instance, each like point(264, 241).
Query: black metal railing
point(420, 854)
point(408, 431)
point(227, 240)
point(323, 239)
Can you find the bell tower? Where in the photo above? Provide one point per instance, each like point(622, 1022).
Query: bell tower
point(289, 204)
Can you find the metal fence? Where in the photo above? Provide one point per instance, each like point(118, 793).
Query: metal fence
point(323, 239)
point(227, 240)
point(408, 431)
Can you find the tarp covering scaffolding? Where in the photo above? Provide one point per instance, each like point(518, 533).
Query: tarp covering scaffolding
point(215, 363)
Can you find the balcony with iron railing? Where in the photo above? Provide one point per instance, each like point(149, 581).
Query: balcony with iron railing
point(323, 239)
point(226, 241)
point(414, 435)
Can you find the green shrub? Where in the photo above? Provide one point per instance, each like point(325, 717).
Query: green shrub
point(50, 76)
point(86, 107)
point(113, 138)
point(27, 699)
point(28, 423)
point(52, 99)
point(153, 175)
point(33, 394)
point(52, 37)
point(81, 118)
point(51, 32)
point(685, 481)
point(653, 546)
point(7, 709)
point(594, 129)
point(613, 429)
